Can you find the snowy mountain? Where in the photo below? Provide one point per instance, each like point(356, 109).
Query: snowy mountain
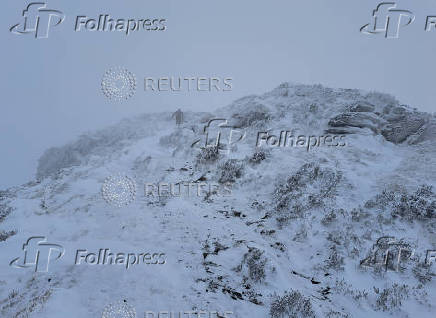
point(317, 202)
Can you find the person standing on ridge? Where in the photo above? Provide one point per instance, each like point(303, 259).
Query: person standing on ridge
point(179, 117)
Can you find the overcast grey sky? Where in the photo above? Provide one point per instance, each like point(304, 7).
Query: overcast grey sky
point(51, 87)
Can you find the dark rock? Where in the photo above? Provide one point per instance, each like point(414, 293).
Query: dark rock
point(395, 123)
point(343, 131)
point(359, 120)
point(363, 107)
point(400, 128)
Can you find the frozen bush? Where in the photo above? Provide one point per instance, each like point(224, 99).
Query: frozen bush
point(254, 116)
point(336, 236)
point(359, 214)
point(5, 210)
point(258, 156)
point(5, 194)
point(12, 294)
point(418, 206)
point(5, 235)
point(391, 298)
point(254, 263)
point(422, 272)
point(337, 314)
point(334, 261)
point(291, 305)
point(26, 303)
point(329, 217)
point(306, 189)
point(231, 170)
point(346, 289)
point(208, 155)
point(381, 201)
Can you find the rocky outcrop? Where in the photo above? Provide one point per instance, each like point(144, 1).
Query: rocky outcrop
point(396, 124)
point(357, 119)
point(363, 107)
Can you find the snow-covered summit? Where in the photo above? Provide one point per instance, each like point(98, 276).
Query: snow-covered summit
point(303, 232)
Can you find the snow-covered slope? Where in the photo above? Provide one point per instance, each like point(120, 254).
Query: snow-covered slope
point(300, 234)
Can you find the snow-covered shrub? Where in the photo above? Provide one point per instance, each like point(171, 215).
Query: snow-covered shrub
point(329, 217)
point(304, 190)
point(291, 305)
point(4, 235)
point(4, 195)
point(258, 156)
point(253, 265)
point(337, 236)
point(334, 261)
point(358, 214)
point(26, 303)
point(208, 155)
point(231, 170)
point(343, 288)
point(381, 201)
point(254, 116)
point(346, 240)
point(336, 314)
point(422, 272)
point(5, 210)
point(12, 294)
point(418, 206)
point(391, 298)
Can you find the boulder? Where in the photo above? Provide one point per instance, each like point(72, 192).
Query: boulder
point(362, 107)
